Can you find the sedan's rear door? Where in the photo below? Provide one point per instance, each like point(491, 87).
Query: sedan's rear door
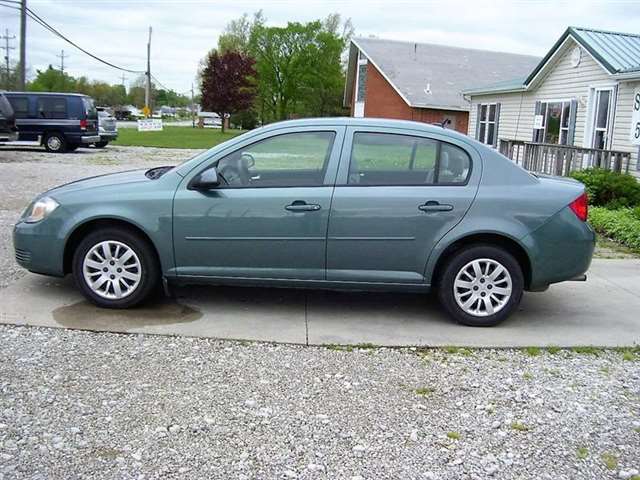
point(397, 193)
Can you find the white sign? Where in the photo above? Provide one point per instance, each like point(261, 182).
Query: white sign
point(537, 121)
point(635, 118)
point(150, 125)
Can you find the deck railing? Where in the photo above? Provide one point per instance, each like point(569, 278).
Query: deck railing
point(555, 159)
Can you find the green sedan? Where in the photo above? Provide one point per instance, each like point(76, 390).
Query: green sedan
point(337, 203)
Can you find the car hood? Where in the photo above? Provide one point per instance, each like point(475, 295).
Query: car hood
point(120, 178)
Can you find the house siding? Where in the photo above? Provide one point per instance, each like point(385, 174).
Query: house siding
point(562, 82)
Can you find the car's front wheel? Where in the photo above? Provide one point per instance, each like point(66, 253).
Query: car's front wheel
point(481, 285)
point(115, 268)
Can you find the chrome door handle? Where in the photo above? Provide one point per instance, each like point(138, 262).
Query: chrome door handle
point(433, 206)
point(301, 206)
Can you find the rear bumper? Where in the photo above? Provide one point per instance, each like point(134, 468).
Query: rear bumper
point(560, 250)
point(88, 139)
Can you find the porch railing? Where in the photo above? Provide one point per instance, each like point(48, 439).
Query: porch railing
point(561, 160)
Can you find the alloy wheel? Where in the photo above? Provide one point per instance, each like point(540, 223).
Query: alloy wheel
point(112, 269)
point(482, 287)
point(54, 143)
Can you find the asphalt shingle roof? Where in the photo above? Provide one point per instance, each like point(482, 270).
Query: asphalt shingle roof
point(429, 75)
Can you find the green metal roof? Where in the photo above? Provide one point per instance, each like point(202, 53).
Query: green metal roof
point(617, 52)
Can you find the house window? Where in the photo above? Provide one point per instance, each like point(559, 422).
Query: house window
point(361, 86)
point(487, 123)
point(555, 124)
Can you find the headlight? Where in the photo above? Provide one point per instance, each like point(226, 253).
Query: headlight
point(40, 209)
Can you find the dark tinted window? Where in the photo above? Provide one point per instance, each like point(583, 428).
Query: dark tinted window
point(289, 160)
point(52, 107)
point(390, 159)
point(20, 106)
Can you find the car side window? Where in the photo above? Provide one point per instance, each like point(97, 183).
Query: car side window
point(393, 159)
point(288, 160)
point(52, 107)
point(20, 106)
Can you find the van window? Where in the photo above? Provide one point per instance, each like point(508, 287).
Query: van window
point(52, 107)
point(20, 106)
point(393, 159)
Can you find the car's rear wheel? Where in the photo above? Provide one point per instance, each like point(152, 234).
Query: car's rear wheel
point(481, 285)
point(72, 147)
point(101, 144)
point(115, 268)
point(55, 143)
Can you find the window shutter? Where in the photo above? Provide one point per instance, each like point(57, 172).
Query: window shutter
point(478, 121)
point(572, 122)
point(496, 127)
point(537, 112)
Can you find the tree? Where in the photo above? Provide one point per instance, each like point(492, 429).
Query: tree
point(227, 84)
point(237, 33)
point(300, 71)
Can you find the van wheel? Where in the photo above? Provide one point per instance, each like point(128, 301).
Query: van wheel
point(481, 285)
point(115, 268)
point(55, 142)
point(72, 147)
point(100, 144)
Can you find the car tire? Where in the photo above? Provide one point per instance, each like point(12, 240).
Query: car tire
point(100, 144)
point(55, 143)
point(72, 147)
point(470, 281)
point(116, 256)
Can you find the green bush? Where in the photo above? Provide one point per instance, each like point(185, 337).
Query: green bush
point(610, 189)
point(622, 225)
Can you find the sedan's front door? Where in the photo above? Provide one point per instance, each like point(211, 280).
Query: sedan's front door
point(268, 218)
point(396, 195)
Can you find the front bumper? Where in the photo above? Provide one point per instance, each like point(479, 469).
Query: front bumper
point(38, 247)
point(89, 139)
point(9, 136)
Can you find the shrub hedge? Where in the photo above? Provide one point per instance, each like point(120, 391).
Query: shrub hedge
point(609, 189)
point(622, 225)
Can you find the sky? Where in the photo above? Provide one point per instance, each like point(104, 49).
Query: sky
point(185, 30)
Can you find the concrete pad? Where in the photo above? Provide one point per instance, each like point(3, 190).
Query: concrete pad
point(604, 311)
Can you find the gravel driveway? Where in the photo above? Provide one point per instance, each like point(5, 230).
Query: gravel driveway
point(90, 405)
point(87, 405)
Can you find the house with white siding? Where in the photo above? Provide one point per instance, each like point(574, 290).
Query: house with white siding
point(576, 106)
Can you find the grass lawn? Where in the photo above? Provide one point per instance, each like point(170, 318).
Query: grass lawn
point(174, 137)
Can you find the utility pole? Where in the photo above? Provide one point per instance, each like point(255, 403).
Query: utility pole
point(123, 79)
point(61, 57)
point(6, 49)
point(23, 44)
point(147, 90)
point(193, 113)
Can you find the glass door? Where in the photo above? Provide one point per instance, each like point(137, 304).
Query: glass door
point(601, 115)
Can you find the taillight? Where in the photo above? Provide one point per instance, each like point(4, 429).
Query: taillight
point(83, 124)
point(580, 207)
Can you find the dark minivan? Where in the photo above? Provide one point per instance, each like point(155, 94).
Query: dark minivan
point(59, 121)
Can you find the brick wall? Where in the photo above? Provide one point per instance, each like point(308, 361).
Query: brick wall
point(382, 101)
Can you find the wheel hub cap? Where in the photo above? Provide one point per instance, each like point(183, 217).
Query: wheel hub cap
point(482, 287)
point(112, 269)
point(54, 143)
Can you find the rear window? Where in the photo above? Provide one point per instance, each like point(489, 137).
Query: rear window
point(20, 106)
point(52, 107)
point(392, 159)
point(89, 107)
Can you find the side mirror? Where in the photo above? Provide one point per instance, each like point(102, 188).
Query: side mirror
point(206, 180)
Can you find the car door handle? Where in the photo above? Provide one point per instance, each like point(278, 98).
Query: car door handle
point(301, 206)
point(433, 206)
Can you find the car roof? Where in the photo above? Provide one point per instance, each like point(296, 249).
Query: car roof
point(66, 94)
point(364, 122)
